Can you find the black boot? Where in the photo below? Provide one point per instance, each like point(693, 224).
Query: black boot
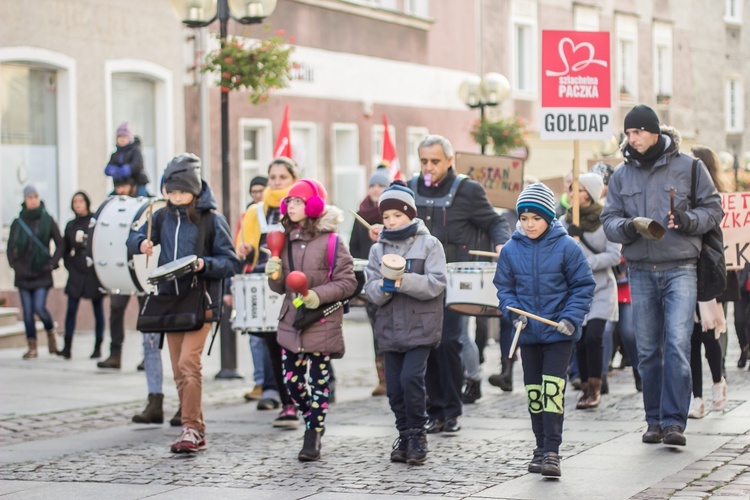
point(153, 414)
point(65, 353)
point(311, 448)
point(399, 448)
point(97, 350)
point(176, 421)
point(604, 385)
point(743, 357)
point(416, 453)
point(472, 392)
point(506, 376)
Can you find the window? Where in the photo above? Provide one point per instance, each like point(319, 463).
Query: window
point(29, 137)
point(349, 177)
point(133, 101)
point(523, 43)
point(663, 62)
point(377, 142)
point(305, 147)
point(418, 8)
point(585, 18)
point(734, 106)
point(255, 153)
point(627, 63)
point(733, 12)
point(414, 136)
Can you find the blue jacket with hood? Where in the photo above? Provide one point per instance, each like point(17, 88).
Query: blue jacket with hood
point(549, 277)
point(178, 238)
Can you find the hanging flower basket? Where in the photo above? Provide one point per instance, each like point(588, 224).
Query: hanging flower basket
point(257, 67)
point(503, 135)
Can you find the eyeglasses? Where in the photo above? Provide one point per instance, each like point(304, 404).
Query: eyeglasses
point(257, 191)
point(294, 201)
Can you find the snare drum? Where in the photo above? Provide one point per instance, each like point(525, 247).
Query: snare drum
point(256, 306)
point(173, 270)
point(470, 289)
point(119, 271)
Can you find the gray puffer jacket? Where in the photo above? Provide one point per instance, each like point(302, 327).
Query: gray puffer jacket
point(412, 317)
point(636, 190)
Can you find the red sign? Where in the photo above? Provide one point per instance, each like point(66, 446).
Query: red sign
point(576, 85)
point(576, 69)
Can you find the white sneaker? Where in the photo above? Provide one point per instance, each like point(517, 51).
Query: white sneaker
point(697, 408)
point(719, 395)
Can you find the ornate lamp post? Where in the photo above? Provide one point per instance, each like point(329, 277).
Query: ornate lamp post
point(489, 90)
point(199, 14)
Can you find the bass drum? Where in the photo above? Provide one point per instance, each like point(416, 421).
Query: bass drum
point(119, 271)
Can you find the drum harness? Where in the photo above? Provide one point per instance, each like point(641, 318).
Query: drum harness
point(443, 202)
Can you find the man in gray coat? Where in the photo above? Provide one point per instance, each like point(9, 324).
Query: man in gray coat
point(662, 271)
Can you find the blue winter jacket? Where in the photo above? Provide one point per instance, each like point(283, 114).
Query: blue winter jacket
point(178, 237)
point(549, 277)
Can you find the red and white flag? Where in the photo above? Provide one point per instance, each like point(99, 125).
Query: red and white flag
point(390, 159)
point(284, 140)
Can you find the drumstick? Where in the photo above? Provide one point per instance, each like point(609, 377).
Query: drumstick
point(671, 201)
point(532, 316)
point(361, 220)
point(150, 223)
point(265, 250)
point(519, 327)
point(483, 253)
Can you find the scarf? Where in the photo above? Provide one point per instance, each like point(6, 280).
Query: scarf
point(250, 228)
point(652, 154)
point(369, 211)
point(401, 233)
point(711, 317)
point(589, 216)
point(39, 257)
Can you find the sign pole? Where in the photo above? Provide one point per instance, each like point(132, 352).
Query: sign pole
point(576, 204)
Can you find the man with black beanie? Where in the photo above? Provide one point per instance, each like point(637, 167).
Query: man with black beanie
point(663, 282)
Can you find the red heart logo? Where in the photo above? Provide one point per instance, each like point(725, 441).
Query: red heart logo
point(515, 164)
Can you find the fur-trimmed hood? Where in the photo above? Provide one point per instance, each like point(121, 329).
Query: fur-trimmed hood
point(330, 221)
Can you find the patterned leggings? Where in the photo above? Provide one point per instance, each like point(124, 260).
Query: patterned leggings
point(309, 390)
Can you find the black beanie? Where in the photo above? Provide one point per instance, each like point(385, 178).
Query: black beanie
point(183, 173)
point(643, 118)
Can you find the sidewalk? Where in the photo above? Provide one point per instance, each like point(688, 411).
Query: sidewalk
point(65, 432)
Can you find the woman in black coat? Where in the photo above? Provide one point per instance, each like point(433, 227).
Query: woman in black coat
point(82, 281)
point(29, 257)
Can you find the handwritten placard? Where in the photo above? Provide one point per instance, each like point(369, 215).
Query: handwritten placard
point(500, 176)
point(736, 228)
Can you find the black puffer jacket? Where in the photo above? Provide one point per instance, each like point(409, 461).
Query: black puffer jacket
point(131, 156)
point(82, 281)
point(20, 262)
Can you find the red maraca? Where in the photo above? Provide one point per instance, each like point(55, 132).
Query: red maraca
point(275, 240)
point(296, 281)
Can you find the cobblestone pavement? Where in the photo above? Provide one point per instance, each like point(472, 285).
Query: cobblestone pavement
point(246, 452)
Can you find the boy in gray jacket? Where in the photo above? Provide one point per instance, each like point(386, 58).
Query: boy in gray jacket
point(409, 317)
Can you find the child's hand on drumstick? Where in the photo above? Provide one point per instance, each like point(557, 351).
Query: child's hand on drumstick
point(375, 231)
point(199, 265)
point(147, 247)
point(244, 249)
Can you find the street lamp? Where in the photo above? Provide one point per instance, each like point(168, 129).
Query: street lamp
point(489, 90)
point(199, 14)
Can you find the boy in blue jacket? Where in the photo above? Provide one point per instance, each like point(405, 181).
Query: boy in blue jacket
point(543, 271)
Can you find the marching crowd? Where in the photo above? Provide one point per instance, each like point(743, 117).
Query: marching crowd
point(622, 273)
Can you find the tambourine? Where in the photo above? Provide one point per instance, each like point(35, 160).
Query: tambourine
point(392, 267)
point(173, 270)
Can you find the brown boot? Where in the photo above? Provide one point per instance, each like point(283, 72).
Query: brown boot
point(595, 393)
point(380, 390)
point(154, 413)
point(32, 352)
point(52, 341)
point(113, 361)
point(581, 404)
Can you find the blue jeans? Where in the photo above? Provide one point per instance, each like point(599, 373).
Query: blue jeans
point(152, 362)
point(34, 301)
point(663, 308)
point(607, 346)
point(70, 318)
point(627, 333)
point(262, 370)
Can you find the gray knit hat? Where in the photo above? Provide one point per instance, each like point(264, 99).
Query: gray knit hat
point(537, 199)
point(29, 190)
point(399, 198)
point(381, 177)
point(183, 173)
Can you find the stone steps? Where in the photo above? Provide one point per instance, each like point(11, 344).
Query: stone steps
point(12, 331)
